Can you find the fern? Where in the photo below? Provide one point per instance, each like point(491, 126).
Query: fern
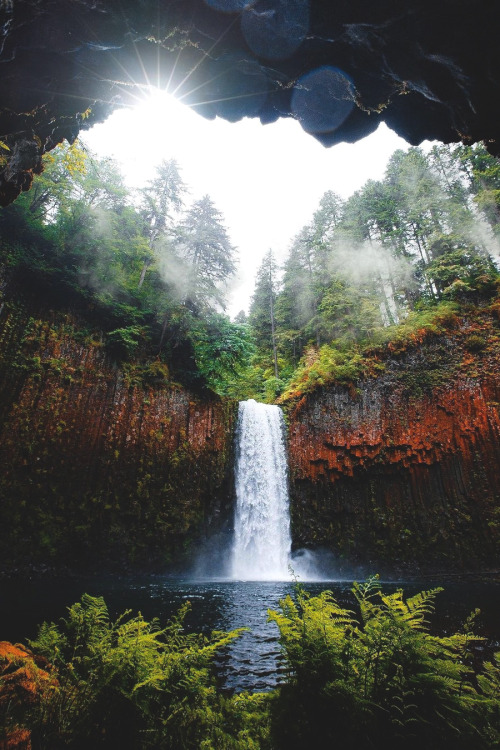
point(129, 679)
point(380, 679)
point(375, 679)
point(418, 607)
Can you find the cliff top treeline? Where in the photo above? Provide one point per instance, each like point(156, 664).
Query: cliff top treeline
point(397, 258)
point(152, 273)
point(140, 266)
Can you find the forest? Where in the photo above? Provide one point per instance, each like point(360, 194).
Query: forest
point(377, 267)
point(154, 271)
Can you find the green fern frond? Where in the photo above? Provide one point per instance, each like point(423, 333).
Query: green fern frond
point(420, 606)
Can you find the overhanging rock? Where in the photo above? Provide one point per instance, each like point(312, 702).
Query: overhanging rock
point(428, 68)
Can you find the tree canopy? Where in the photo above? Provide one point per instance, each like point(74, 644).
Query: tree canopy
point(149, 270)
point(156, 269)
point(426, 234)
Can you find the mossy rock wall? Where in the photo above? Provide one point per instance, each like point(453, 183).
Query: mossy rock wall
point(97, 468)
point(403, 471)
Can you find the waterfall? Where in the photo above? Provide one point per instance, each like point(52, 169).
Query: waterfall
point(262, 541)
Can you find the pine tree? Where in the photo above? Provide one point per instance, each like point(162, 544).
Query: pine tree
point(262, 309)
point(162, 200)
point(204, 245)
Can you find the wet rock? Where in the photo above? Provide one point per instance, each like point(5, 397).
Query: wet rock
point(399, 475)
point(428, 69)
point(100, 469)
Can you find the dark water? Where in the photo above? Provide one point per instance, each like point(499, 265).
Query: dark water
point(252, 661)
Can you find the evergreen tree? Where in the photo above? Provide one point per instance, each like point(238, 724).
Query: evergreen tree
point(262, 309)
point(162, 201)
point(296, 304)
point(482, 172)
point(203, 243)
point(241, 318)
point(306, 275)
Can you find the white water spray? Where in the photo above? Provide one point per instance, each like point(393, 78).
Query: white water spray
point(262, 541)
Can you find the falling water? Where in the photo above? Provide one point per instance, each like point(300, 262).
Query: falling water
point(262, 542)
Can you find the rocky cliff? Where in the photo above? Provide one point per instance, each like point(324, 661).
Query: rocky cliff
point(101, 465)
point(403, 470)
point(120, 467)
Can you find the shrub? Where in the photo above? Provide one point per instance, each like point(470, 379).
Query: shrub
point(122, 343)
point(329, 366)
point(378, 679)
point(475, 343)
point(127, 683)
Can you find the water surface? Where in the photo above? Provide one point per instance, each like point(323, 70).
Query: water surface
point(252, 662)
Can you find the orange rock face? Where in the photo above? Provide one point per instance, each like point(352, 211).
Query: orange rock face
point(108, 466)
point(102, 464)
point(403, 476)
point(337, 436)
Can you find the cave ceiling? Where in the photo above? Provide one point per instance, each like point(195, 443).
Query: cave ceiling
point(428, 68)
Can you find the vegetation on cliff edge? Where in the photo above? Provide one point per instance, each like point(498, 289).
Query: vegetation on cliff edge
point(144, 268)
point(399, 257)
point(377, 273)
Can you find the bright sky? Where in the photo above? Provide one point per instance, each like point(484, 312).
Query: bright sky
point(266, 180)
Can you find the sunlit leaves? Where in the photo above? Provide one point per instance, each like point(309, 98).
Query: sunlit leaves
point(379, 678)
point(128, 682)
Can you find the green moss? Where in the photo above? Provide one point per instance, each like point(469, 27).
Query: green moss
point(112, 503)
point(475, 343)
point(336, 364)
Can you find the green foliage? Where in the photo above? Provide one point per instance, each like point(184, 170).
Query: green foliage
point(353, 279)
point(374, 677)
point(378, 678)
point(262, 311)
point(324, 367)
point(122, 343)
point(130, 683)
point(377, 269)
point(255, 380)
point(203, 243)
point(426, 321)
point(221, 350)
point(344, 364)
point(148, 272)
point(475, 343)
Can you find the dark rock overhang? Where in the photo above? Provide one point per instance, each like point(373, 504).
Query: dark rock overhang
point(428, 68)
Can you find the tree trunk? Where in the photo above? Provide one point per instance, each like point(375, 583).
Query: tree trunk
point(146, 265)
point(273, 335)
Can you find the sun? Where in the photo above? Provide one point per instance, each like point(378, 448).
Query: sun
point(158, 126)
point(161, 103)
